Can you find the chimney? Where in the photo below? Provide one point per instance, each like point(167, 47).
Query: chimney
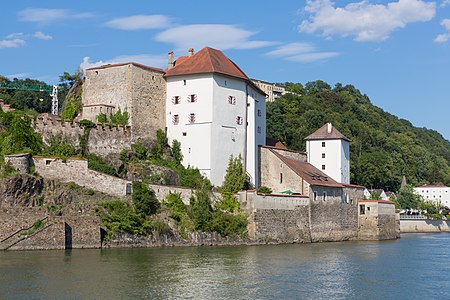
point(170, 62)
point(329, 127)
point(190, 52)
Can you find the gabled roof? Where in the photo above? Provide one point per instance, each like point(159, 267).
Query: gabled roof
point(272, 142)
point(308, 172)
point(124, 64)
point(327, 132)
point(208, 60)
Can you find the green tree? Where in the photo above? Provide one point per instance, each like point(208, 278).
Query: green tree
point(235, 178)
point(407, 198)
point(201, 209)
point(176, 152)
point(144, 199)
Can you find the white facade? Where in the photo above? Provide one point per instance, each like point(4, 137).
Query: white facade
point(440, 194)
point(332, 156)
point(207, 113)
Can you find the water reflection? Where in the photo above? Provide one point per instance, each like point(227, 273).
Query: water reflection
point(408, 268)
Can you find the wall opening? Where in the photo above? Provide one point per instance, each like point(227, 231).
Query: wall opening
point(67, 236)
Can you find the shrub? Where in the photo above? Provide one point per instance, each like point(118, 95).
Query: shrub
point(119, 217)
point(264, 190)
point(102, 118)
point(96, 163)
point(229, 203)
point(144, 199)
point(139, 151)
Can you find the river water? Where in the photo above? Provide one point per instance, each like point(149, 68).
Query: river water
point(415, 267)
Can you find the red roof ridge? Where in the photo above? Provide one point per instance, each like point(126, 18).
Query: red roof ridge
point(327, 132)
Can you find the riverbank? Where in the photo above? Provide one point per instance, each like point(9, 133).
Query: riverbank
point(424, 226)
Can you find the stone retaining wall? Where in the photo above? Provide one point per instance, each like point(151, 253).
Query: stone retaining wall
point(424, 226)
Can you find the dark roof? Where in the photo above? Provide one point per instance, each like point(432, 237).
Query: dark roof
point(208, 60)
point(308, 172)
point(323, 134)
point(272, 142)
point(126, 63)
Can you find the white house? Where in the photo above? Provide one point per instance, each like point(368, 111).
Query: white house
point(435, 193)
point(329, 151)
point(215, 111)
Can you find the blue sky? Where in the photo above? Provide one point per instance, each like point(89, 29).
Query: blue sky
point(397, 52)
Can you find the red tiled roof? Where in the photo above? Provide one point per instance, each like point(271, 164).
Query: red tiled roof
point(377, 201)
point(308, 172)
point(354, 185)
point(432, 186)
point(323, 134)
point(208, 60)
point(124, 64)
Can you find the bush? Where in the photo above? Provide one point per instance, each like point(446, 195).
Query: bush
point(229, 224)
point(87, 123)
point(144, 199)
point(201, 210)
point(228, 203)
point(139, 151)
point(96, 163)
point(264, 190)
point(102, 118)
point(119, 217)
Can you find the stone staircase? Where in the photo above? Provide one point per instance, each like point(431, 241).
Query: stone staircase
point(23, 234)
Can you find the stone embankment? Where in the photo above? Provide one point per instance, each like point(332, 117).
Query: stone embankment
point(424, 226)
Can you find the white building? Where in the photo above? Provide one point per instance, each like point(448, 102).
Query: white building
point(329, 150)
point(435, 193)
point(215, 111)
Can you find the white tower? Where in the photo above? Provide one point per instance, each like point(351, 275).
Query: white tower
point(214, 110)
point(329, 151)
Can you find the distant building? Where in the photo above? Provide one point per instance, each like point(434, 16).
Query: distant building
point(434, 193)
point(272, 90)
point(329, 151)
point(215, 111)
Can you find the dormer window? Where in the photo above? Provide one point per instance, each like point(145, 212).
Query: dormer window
point(192, 98)
point(232, 100)
point(176, 100)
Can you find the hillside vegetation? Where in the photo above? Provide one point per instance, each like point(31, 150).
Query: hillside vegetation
point(383, 147)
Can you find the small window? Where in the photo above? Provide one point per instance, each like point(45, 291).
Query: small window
point(259, 129)
point(362, 209)
point(239, 120)
point(323, 144)
point(192, 98)
point(191, 118)
point(176, 119)
point(184, 82)
point(315, 196)
point(281, 177)
point(323, 167)
point(225, 83)
point(48, 161)
point(128, 189)
point(176, 100)
point(232, 100)
point(259, 113)
point(324, 196)
point(323, 155)
point(184, 133)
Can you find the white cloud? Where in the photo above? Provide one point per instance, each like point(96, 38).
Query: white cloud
point(364, 21)
point(47, 15)
point(15, 35)
point(301, 52)
point(18, 75)
point(42, 36)
point(140, 22)
point(12, 43)
point(218, 36)
point(442, 38)
point(157, 61)
point(445, 3)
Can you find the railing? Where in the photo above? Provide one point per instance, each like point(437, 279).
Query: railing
point(19, 231)
point(413, 217)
